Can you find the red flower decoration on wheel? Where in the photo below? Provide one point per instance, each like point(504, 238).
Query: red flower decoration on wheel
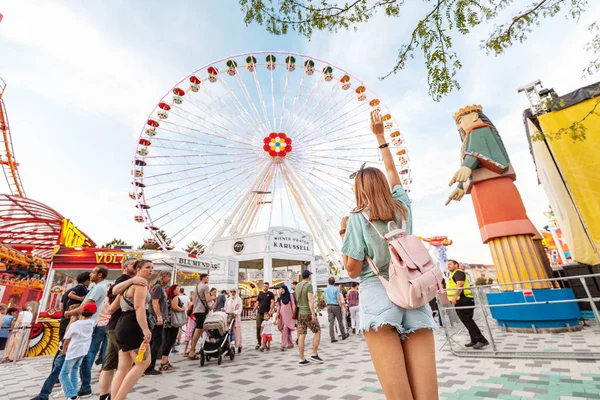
point(277, 144)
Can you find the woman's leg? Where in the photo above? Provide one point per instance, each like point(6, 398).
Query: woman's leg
point(386, 351)
point(354, 317)
point(170, 338)
point(287, 333)
point(132, 376)
point(237, 331)
point(123, 368)
point(419, 356)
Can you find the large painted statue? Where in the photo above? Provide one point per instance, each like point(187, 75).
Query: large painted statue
point(487, 175)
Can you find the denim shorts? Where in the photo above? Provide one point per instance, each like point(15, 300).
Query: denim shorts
point(375, 310)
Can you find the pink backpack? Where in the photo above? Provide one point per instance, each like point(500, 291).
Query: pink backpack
point(414, 277)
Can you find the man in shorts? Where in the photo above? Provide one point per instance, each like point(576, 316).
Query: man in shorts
point(307, 319)
point(200, 310)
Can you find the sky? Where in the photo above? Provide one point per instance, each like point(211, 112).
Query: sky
point(83, 76)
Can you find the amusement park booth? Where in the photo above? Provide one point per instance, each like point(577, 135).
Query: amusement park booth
point(276, 256)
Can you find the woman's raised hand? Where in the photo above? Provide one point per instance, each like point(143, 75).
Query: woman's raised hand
point(376, 123)
point(344, 223)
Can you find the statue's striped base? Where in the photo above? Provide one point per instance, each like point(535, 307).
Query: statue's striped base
point(516, 259)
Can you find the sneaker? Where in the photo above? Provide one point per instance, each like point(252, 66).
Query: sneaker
point(346, 336)
point(59, 395)
point(304, 362)
point(152, 373)
point(84, 394)
point(470, 344)
point(316, 358)
point(174, 351)
point(334, 340)
point(480, 345)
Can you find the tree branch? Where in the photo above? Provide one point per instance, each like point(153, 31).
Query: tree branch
point(516, 19)
point(408, 48)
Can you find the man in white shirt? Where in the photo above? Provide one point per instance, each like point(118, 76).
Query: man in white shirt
point(96, 295)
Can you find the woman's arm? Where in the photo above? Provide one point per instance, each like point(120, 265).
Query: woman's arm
point(238, 310)
point(175, 304)
point(388, 160)
point(353, 267)
point(139, 302)
point(114, 306)
point(121, 287)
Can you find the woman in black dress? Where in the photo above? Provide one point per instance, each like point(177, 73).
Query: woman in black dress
point(131, 331)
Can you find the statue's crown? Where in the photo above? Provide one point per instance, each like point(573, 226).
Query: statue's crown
point(467, 110)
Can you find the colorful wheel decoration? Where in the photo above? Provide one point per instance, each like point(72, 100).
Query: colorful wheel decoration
point(277, 144)
point(215, 158)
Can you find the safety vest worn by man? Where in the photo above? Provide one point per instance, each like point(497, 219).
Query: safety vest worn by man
point(451, 286)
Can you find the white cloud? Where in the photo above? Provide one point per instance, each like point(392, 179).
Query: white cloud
point(83, 67)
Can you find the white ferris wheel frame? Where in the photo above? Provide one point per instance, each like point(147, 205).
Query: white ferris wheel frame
point(242, 216)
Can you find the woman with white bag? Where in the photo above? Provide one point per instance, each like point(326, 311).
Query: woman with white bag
point(234, 307)
point(400, 340)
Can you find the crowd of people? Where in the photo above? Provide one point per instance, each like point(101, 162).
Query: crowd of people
point(129, 329)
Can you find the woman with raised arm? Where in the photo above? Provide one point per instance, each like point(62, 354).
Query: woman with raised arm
point(132, 332)
point(400, 340)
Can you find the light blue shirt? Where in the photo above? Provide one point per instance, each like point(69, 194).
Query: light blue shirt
point(361, 239)
point(97, 294)
point(332, 293)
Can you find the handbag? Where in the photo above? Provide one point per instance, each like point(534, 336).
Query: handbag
point(414, 278)
point(178, 318)
point(295, 313)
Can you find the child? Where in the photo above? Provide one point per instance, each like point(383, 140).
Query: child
point(75, 347)
point(266, 332)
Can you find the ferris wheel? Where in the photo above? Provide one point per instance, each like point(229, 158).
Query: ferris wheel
point(257, 140)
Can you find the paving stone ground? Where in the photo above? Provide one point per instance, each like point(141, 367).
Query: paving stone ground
point(348, 373)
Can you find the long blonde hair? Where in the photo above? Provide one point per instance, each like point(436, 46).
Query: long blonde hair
point(373, 194)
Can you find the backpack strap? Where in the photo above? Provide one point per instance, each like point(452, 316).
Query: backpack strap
point(391, 225)
point(364, 214)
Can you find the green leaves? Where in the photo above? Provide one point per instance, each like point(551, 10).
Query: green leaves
point(113, 243)
point(432, 35)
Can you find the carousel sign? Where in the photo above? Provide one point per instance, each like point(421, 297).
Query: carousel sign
point(290, 241)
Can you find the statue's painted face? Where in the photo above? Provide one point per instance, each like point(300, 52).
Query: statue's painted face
point(465, 122)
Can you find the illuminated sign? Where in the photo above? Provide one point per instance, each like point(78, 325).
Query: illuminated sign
point(106, 257)
point(70, 236)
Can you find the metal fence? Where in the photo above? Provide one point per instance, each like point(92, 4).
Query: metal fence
point(576, 343)
point(16, 345)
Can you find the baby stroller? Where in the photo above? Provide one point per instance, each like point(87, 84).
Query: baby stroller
point(218, 343)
